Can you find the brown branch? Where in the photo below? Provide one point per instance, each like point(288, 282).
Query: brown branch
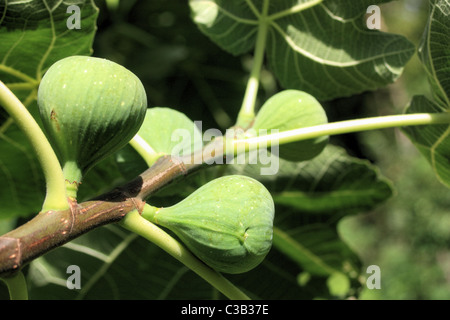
point(51, 229)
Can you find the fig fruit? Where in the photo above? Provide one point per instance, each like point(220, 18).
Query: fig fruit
point(227, 223)
point(293, 109)
point(170, 132)
point(90, 107)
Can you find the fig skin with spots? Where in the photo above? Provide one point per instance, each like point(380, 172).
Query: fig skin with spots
point(227, 223)
point(288, 110)
point(90, 107)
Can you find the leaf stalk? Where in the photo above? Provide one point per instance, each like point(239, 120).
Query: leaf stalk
point(247, 111)
point(340, 127)
point(56, 198)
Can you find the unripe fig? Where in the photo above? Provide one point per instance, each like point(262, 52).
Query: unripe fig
point(170, 132)
point(293, 109)
point(90, 107)
point(227, 223)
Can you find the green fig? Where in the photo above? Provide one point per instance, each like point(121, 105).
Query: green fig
point(227, 223)
point(293, 109)
point(170, 132)
point(90, 107)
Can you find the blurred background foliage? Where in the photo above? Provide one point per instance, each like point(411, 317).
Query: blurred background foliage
point(408, 237)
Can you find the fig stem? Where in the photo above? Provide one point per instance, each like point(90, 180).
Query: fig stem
point(134, 222)
point(55, 198)
point(247, 111)
point(149, 213)
point(73, 176)
point(340, 127)
point(17, 286)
